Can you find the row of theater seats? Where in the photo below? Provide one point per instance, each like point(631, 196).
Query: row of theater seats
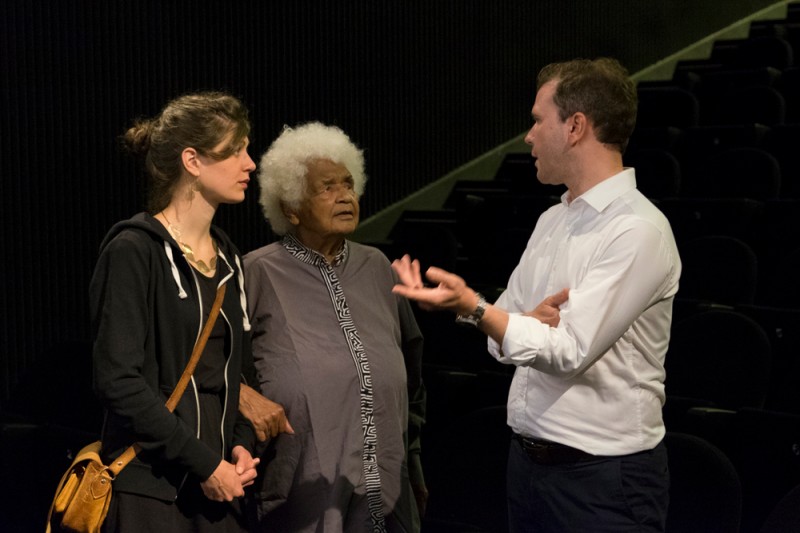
point(752, 471)
point(723, 161)
point(756, 80)
point(727, 126)
point(709, 93)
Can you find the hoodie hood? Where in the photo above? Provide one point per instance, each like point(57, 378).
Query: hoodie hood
point(150, 225)
point(140, 221)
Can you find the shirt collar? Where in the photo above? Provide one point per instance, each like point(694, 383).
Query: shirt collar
point(601, 195)
point(312, 257)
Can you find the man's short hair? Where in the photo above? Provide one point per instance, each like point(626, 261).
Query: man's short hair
point(601, 89)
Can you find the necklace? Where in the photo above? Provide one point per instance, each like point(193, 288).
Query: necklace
point(188, 253)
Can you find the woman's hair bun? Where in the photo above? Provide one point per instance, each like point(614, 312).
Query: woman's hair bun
point(137, 138)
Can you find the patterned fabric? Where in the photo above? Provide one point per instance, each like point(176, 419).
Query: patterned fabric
point(372, 476)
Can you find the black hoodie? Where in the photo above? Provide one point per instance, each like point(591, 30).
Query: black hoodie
point(146, 312)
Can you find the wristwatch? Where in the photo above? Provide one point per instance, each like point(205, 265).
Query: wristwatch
point(474, 317)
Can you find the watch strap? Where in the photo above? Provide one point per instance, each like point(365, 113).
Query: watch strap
point(474, 318)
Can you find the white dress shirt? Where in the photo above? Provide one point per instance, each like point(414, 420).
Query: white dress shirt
point(595, 382)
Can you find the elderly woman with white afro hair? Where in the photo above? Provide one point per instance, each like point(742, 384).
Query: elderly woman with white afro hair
point(335, 347)
point(283, 167)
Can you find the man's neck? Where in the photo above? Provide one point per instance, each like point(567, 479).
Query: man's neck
point(596, 165)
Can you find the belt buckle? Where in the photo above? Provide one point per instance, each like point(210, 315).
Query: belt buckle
point(534, 444)
point(538, 451)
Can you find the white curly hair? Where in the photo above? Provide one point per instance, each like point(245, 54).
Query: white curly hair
point(283, 168)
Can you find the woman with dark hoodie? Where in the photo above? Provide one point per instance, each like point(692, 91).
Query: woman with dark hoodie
point(150, 295)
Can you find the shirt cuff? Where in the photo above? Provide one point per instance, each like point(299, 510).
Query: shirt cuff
point(524, 340)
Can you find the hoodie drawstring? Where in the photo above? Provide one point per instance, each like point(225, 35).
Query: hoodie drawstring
point(242, 295)
point(240, 279)
point(175, 275)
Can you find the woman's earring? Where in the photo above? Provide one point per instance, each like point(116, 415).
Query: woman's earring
point(193, 187)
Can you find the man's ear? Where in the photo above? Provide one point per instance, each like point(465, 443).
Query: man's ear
point(190, 161)
point(579, 126)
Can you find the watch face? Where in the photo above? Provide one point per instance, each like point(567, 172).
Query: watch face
point(473, 318)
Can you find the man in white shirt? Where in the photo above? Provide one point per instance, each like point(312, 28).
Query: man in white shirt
point(585, 319)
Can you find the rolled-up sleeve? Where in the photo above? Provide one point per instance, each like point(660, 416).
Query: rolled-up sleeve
point(627, 277)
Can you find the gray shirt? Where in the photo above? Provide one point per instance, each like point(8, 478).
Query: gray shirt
point(314, 478)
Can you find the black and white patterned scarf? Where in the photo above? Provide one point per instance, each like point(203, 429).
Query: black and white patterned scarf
point(370, 451)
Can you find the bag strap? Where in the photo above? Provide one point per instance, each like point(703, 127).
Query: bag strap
point(128, 455)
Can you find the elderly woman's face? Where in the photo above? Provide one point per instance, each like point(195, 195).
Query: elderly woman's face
point(330, 209)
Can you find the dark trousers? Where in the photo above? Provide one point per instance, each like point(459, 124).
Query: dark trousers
point(610, 494)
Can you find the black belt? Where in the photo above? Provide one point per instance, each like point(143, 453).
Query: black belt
point(544, 452)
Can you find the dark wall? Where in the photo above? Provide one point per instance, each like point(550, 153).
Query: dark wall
point(424, 86)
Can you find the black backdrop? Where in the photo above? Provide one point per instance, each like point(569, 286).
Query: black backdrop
point(423, 85)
